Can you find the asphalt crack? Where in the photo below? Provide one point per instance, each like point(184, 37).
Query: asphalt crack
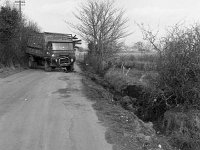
point(73, 147)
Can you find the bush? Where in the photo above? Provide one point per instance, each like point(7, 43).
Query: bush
point(117, 79)
point(9, 35)
point(14, 32)
point(176, 89)
point(178, 67)
point(95, 63)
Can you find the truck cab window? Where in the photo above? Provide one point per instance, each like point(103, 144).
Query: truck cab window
point(62, 46)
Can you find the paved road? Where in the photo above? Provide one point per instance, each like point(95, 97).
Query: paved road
point(48, 111)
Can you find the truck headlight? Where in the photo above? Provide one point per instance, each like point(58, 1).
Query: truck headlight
point(53, 55)
point(72, 59)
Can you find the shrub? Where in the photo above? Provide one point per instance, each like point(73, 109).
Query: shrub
point(117, 79)
point(178, 67)
point(177, 86)
point(14, 32)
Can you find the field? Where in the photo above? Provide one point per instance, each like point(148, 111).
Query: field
point(135, 53)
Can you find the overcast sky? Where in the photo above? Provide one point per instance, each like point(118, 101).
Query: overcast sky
point(158, 14)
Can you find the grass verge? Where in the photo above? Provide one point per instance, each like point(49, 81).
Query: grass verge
point(5, 72)
point(124, 129)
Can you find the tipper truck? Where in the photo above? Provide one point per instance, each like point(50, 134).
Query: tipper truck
point(52, 50)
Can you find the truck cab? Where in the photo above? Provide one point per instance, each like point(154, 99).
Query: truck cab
point(60, 54)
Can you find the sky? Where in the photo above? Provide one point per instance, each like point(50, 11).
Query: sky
point(159, 15)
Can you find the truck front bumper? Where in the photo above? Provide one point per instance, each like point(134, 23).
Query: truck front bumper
point(61, 62)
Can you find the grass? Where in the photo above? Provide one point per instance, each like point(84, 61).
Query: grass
point(128, 70)
point(139, 62)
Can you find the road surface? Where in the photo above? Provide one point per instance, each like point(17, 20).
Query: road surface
point(48, 111)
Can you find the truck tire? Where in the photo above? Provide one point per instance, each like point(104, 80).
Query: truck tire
point(53, 68)
point(34, 65)
point(30, 63)
point(47, 67)
point(72, 67)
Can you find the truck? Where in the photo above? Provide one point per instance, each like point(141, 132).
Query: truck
point(52, 50)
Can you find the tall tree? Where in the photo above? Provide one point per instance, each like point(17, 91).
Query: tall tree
point(101, 25)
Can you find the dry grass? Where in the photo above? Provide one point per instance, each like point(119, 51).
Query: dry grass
point(141, 62)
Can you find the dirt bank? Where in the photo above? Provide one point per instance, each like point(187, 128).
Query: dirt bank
point(124, 129)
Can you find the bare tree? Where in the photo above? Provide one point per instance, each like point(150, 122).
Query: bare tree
point(150, 36)
point(101, 25)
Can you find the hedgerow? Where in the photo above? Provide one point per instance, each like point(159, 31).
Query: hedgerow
point(14, 32)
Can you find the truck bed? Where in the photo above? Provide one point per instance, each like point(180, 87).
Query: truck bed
point(37, 42)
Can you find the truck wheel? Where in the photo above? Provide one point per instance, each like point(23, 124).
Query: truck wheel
point(53, 68)
point(50, 68)
point(34, 65)
point(30, 63)
point(71, 68)
point(66, 69)
point(46, 66)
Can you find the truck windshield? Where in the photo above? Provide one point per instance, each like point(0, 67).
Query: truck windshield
point(62, 46)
